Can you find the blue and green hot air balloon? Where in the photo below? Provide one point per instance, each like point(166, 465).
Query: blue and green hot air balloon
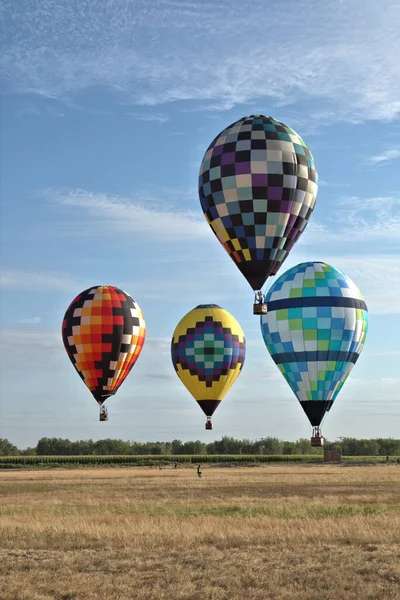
point(314, 330)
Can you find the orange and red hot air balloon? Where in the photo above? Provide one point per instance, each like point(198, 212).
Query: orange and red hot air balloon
point(103, 333)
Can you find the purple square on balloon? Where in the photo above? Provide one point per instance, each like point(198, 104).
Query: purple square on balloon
point(259, 180)
point(275, 193)
point(285, 206)
point(242, 168)
point(228, 158)
point(218, 150)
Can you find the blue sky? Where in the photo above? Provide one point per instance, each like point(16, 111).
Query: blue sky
point(107, 108)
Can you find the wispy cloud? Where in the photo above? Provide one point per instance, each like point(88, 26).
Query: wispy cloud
point(364, 392)
point(314, 53)
point(157, 117)
point(157, 215)
point(30, 321)
point(332, 184)
point(14, 279)
point(144, 215)
point(358, 220)
point(385, 156)
point(35, 349)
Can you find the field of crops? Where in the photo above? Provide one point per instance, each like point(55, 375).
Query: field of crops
point(10, 462)
point(275, 532)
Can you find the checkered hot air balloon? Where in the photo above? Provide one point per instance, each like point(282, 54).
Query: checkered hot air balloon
point(208, 350)
point(315, 330)
point(257, 188)
point(103, 333)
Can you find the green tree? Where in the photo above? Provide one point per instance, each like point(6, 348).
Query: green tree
point(28, 452)
point(196, 447)
point(54, 447)
point(355, 447)
point(289, 448)
point(303, 446)
point(82, 447)
point(271, 445)
point(110, 446)
point(228, 445)
point(7, 448)
point(176, 447)
point(388, 447)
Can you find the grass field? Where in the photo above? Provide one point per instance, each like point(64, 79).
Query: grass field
point(269, 532)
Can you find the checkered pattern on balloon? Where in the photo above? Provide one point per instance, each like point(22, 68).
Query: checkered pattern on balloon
point(315, 330)
point(103, 333)
point(257, 188)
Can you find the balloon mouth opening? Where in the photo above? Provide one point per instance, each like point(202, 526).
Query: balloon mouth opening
point(208, 306)
point(102, 396)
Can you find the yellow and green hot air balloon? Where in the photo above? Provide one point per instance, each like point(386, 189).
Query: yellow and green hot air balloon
point(208, 350)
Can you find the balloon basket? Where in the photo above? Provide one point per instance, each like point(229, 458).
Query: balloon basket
point(209, 424)
point(103, 416)
point(259, 309)
point(259, 306)
point(317, 439)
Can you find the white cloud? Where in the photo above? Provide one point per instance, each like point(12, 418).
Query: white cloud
point(158, 117)
point(385, 156)
point(358, 221)
point(342, 55)
point(143, 216)
point(364, 243)
point(34, 281)
point(35, 349)
point(30, 321)
point(354, 221)
point(325, 183)
point(378, 393)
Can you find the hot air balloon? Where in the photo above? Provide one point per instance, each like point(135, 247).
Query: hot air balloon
point(103, 333)
point(257, 188)
point(208, 350)
point(315, 329)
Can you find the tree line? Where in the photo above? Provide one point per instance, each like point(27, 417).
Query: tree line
point(226, 445)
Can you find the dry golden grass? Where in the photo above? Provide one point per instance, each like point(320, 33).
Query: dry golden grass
point(273, 532)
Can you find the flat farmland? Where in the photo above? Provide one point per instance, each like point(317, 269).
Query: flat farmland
point(274, 532)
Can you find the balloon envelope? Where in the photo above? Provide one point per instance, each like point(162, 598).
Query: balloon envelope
point(208, 351)
point(257, 188)
point(103, 333)
point(315, 330)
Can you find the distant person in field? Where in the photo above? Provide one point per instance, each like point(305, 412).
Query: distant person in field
point(199, 471)
point(176, 465)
